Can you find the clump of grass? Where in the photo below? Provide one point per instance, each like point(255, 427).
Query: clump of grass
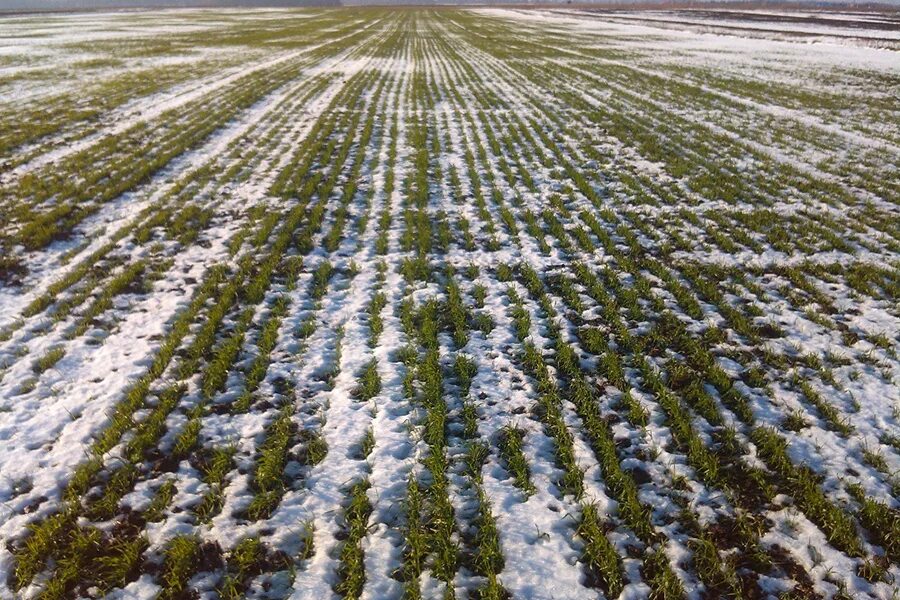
point(291, 267)
point(265, 344)
point(795, 421)
point(376, 322)
point(125, 282)
point(321, 276)
point(352, 572)
point(48, 360)
point(483, 322)
point(12, 269)
point(890, 440)
point(307, 541)
point(214, 470)
point(416, 538)
point(838, 527)
point(520, 316)
point(180, 559)
point(469, 416)
point(718, 575)
point(504, 272)
point(188, 438)
point(634, 411)
point(216, 373)
point(488, 558)
point(268, 479)
point(465, 369)
point(244, 561)
point(476, 455)
point(875, 459)
point(415, 269)
point(42, 539)
point(881, 340)
point(120, 483)
point(369, 382)
point(307, 328)
point(121, 562)
point(479, 293)
point(600, 557)
point(84, 544)
point(366, 444)
point(833, 418)
point(882, 522)
point(510, 442)
point(550, 413)
point(659, 576)
point(152, 427)
point(26, 386)
point(314, 450)
point(161, 499)
point(875, 570)
point(610, 366)
point(456, 315)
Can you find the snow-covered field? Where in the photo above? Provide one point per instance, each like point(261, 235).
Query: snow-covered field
point(476, 304)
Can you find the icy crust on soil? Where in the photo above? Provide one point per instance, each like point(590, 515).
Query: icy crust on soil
point(428, 156)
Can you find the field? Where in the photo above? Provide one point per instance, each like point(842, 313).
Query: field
point(492, 303)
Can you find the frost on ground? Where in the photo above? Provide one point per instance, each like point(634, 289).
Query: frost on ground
point(476, 304)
